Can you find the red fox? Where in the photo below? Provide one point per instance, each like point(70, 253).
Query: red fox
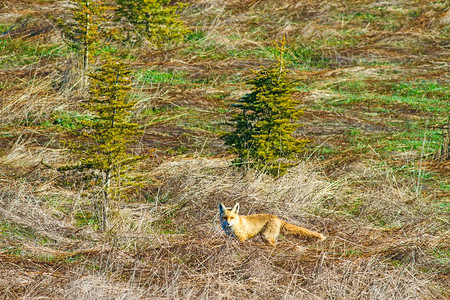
point(268, 226)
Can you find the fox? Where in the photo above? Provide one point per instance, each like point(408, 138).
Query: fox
point(268, 226)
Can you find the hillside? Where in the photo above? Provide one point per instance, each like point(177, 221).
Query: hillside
point(373, 80)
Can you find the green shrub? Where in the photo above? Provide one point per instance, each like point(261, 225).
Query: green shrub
point(265, 122)
point(156, 20)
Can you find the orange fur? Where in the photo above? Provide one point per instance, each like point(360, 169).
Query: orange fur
point(268, 226)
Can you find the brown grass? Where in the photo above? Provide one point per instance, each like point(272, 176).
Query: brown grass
point(174, 248)
point(387, 233)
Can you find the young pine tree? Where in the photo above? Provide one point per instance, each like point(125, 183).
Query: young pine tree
point(265, 122)
point(156, 20)
point(82, 31)
point(109, 132)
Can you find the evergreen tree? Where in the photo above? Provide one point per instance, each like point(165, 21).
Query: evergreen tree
point(156, 20)
point(82, 31)
point(109, 131)
point(264, 126)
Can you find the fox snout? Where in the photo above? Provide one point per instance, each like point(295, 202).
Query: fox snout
point(226, 227)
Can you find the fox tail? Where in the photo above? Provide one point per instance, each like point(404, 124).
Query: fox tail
point(291, 229)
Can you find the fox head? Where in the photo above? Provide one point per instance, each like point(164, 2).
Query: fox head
point(228, 217)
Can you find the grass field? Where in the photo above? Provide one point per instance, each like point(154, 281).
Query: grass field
point(373, 80)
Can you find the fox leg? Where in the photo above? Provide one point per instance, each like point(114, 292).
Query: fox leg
point(269, 240)
point(270, 233)
point(242, 238)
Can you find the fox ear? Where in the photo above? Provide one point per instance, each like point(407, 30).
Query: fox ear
point(236, 208)
point(221, 208)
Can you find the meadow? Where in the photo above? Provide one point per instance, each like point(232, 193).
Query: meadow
point(373, 80)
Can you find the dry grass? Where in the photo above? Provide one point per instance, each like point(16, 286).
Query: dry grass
point(174, 248)
point(387, 232)
point(33, 105)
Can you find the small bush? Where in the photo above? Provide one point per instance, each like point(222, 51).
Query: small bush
point(265, 124)
point(155, 20)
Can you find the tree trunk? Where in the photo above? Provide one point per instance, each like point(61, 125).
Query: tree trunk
point(448, 139)
point(105, 201)
point(86, 47)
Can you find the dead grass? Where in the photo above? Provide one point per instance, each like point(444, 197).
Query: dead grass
point(387, 236)
point(33, 105)
point(173, 247)
point(99, 287)
point(357, 261)
point(21, 208)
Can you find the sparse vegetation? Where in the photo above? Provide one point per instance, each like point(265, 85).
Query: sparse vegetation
point(372, 82)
